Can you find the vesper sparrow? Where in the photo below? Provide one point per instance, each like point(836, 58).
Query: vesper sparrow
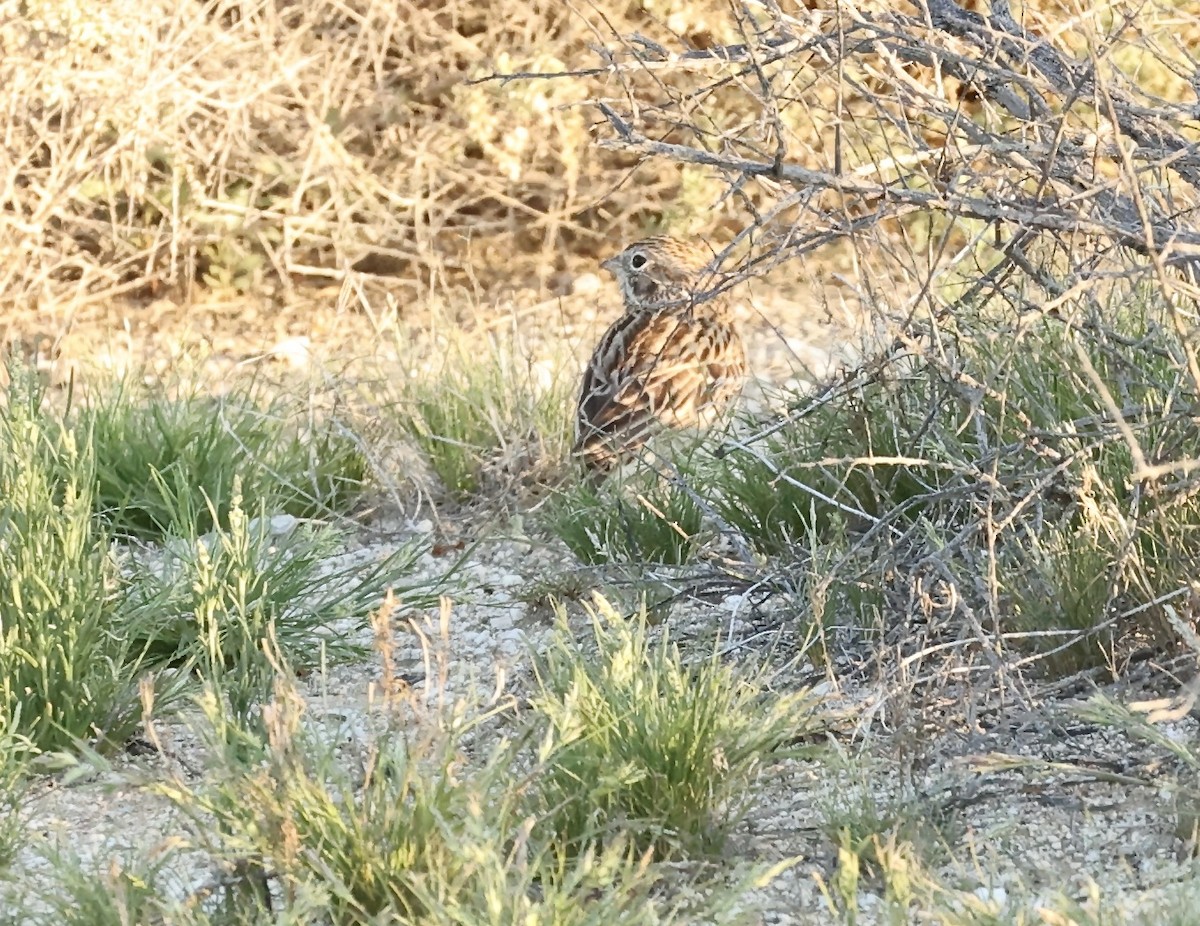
point(672, 360)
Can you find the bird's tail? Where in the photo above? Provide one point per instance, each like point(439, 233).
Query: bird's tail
point(597, 457)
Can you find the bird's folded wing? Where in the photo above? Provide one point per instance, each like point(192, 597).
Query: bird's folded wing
point(648, 371)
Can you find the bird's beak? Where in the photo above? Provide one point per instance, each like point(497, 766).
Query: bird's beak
point(610, 265)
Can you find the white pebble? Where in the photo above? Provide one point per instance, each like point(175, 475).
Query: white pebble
point(293, 351)
point(994, 895)
point(585, 284)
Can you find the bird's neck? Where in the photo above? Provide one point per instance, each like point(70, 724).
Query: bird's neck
point(716, 308)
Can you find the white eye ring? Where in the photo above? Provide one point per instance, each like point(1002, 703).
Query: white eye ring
point(637, 261)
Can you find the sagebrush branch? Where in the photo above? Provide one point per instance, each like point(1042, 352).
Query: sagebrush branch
point(1054, 147)
point(1176, 244)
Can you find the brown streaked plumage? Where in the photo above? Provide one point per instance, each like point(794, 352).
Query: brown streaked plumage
point(673, 360)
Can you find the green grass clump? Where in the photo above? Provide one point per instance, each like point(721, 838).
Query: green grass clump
point(638, 744)
point(395, 825)
point(660, 523)
point(67, 671)
point(156, 453)
point(777, 505)
point(388, 842)
point(15, 753)
point(210, 603)
point(889, 448)
point(123, 892)
point(1069, 577)
point(485, 412)
point(887, 838)
point(82, 622)
point(863, 820)
point(1005, 453)
point(913, 441)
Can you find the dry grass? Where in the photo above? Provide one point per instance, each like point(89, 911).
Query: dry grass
point(258, 145)
point(241, 155)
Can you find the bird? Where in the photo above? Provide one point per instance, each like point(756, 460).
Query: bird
point(674, 358)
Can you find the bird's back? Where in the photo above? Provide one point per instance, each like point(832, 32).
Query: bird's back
point(673, 359)
point(653, 370)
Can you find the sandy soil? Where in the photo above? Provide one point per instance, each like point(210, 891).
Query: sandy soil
point(1065, 810)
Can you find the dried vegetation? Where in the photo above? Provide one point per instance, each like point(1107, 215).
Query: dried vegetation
point(996, 505)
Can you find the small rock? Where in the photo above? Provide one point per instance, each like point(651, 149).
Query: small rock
point(476, 639)
point(733, 603)
point(293, 351)
point(586, 284)
point(278, 525)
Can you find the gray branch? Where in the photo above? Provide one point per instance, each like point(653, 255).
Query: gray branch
point(1043, 177)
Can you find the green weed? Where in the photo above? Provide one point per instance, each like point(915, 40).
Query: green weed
point(638, 743)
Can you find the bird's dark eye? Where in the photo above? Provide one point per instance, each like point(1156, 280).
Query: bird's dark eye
point(638, 261)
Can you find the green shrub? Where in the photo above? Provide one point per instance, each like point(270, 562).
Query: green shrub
point(67, 671)
point(639, 744)
point(155, 454)
point(659, 524)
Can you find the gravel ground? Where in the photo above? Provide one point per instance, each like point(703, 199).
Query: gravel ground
point(1013, 838)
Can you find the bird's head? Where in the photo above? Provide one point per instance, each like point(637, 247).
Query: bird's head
point(659, 271)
